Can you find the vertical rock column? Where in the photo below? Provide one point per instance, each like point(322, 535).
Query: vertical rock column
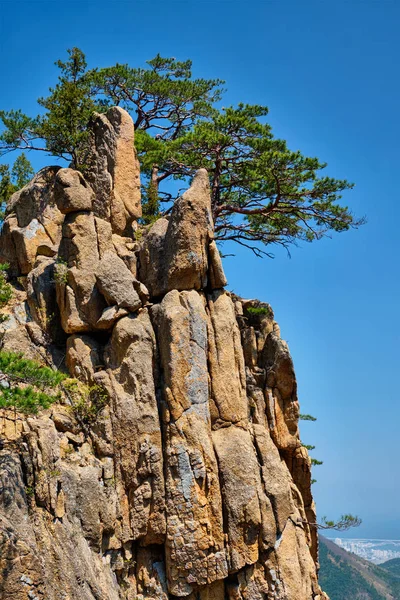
point(187, 478)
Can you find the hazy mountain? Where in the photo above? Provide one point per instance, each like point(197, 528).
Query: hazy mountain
point(345, 576)
point(393, 566)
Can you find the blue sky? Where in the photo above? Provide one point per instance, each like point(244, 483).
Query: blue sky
point(329, 72)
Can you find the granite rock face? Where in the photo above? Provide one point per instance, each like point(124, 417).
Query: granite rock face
point(114, 172)
point(188, 480)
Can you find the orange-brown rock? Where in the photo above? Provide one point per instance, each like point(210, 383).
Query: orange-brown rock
point(114, 172)
point(173, 468)
point(176, 251)
point(33, 223)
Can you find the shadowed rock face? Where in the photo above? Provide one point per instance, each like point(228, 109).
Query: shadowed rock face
point(191, 481)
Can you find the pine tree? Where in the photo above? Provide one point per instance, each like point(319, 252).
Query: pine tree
point(263, 193)
point(13, 179)
point(25, 385)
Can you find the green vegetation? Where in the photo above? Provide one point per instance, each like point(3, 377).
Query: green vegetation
point(150, 205)
point(308, 447)
point(263, 193)
point(19, 368)
point(30, 385)
point(87, 401)
point(344, 576)
point(340, 581)
point(392, 566)
point(61, 271)
point(62, 129)
point(258, 311)
point(303, 417)
point(314, 461)
point(27, 399)
point(6, 291)
point(13, 179)
point(345, 522)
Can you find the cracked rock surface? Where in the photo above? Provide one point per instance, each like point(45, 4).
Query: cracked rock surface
point(190, 480)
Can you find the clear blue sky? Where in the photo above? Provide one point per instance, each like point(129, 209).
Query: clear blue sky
point(329, 72)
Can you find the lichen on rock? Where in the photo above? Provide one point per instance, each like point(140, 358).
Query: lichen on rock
point(184, 475)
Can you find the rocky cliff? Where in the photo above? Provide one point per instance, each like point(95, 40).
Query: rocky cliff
point(189, 479)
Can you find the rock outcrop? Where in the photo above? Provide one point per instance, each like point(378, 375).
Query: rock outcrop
point(188, 479)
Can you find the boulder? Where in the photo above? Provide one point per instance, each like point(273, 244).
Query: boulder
point(104, 236)
point(174, 254)
point(109, 316)
point(241, 492)
point(71, 192)
point(33, 223)
point(26, 241)
point(116, 282)
point(79, 241)
point(83, 357)
point(79, 300)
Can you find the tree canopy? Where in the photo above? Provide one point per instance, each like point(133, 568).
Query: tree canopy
point(13, 179)
point(263, 193)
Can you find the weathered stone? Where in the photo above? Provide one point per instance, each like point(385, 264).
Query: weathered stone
point(173, 467)
point(217, 275)
point(114, 171)
point(130, 360)
point(104, 236)
point(33, 221)
point(71, 320)
point(15, 338)
point(64, 419)
point(79, 244)
point(27, 240)
point(41, 295)
point(83, 357)
point(195, 553)
point(126, 169)
point(249, 343)
point(79, 300)
point(109, 316)
point(275, 477)
point(32, 200)
point(71, 192)
point(228, 380)
point(252, 584)
point(174, 253)
point(124, 248)
point(240, 487)
point(299, 465)
point(90, 301)
point(8, 253)
point(116, 283)
point(151, 577)
point(291, 560)
point(281, 393)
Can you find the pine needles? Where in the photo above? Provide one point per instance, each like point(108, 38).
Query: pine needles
point(27, 386)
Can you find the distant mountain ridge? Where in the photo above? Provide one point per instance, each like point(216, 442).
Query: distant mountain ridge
point(345, 576)
point(393, 566)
